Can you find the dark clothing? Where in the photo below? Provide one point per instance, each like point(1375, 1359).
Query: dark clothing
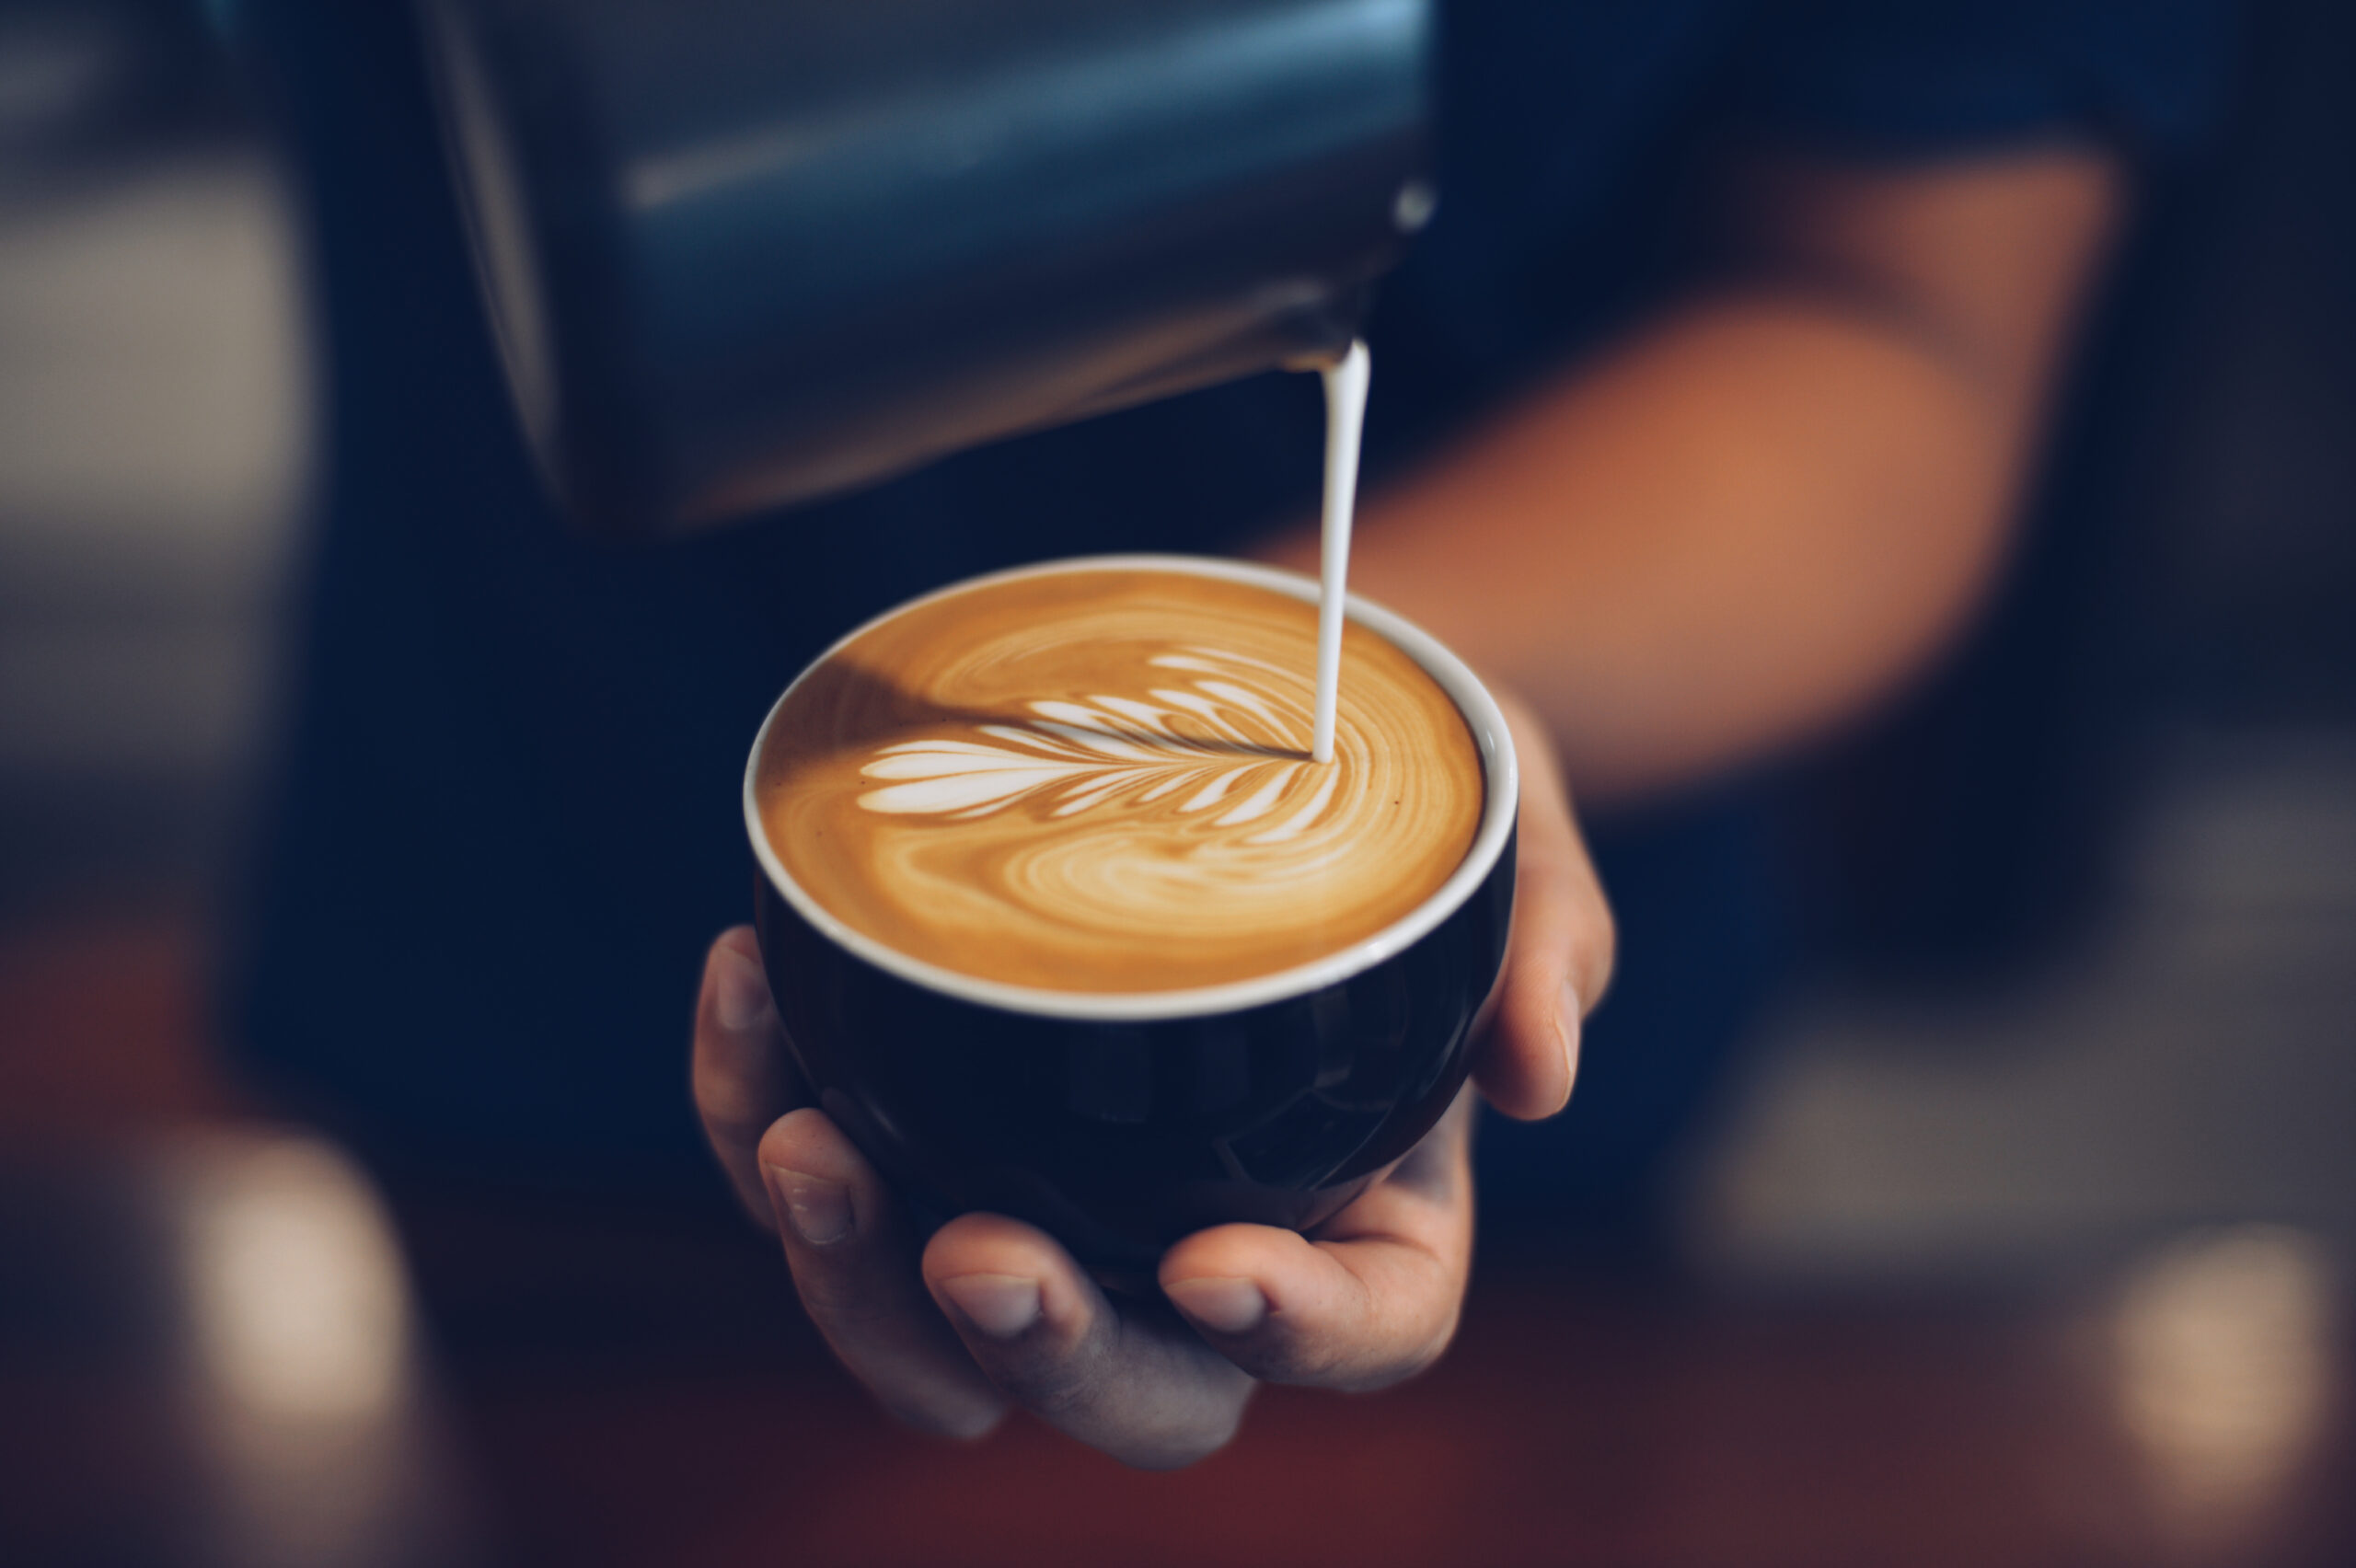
point(505, 826)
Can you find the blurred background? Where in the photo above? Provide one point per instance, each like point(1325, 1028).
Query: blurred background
point(2027, 1237)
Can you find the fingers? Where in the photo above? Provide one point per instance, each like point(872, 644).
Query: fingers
point(1141, 1386)
point(1560, 956)
point(1372, 1300)
point(740, 1076)
point(849, 1253)
point(797, 1174)
point(1133, 1382)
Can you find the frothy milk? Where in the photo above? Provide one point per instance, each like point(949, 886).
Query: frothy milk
point(1127, 779)
point(1100, 780)
point(1346, 384)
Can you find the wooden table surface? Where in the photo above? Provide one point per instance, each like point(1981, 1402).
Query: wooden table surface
point(1578, 1419)
point(634, 1388)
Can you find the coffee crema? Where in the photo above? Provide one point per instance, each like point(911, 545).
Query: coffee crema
point(1099, 780)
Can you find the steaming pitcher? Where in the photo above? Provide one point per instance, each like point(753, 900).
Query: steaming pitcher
point(740, 253)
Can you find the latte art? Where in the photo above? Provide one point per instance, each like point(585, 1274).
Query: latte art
point(1115, 752)
point(1101, 780)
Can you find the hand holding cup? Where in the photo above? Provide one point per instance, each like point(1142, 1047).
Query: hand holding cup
point(990, 1311)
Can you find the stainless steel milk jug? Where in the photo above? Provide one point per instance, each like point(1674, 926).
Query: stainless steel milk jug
point(746, 252)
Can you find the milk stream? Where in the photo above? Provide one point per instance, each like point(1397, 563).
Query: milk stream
point(1345, 382)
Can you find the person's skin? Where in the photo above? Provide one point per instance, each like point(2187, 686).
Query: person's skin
point(1752, 518)
point(992, 1312)
point(1759, 513)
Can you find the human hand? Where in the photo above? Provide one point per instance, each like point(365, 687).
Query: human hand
point(949, 1332)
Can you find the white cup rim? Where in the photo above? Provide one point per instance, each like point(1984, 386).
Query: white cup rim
point(1480, 714)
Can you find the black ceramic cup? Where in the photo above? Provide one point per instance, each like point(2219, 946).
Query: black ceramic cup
point(1121, 1121)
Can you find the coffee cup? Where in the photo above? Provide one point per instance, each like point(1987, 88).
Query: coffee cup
point(1334, 930)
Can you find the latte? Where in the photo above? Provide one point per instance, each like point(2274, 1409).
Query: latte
point(1099, 780)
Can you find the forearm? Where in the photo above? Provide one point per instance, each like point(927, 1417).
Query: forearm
point(1748, 523)
point(1752, 519)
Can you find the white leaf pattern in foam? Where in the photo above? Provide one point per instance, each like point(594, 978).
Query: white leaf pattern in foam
point(1086, 755)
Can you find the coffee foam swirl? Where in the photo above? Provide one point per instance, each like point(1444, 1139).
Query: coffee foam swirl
point(1100, 781)
point(1110, 753)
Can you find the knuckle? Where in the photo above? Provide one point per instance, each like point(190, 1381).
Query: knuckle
point(1312, 1362)
point(1050, 1387)
point(845, 1299)
point(1364, 1367)
point(1547, 875)
point(737, 1120)
point(854, 1293)
point(835, 1304)
point(719, 1095)
point(1594, 947)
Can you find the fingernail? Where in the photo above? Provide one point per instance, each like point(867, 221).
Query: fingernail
point(1001, 1306)
point(819, 1210)
point(1223, 1305)
point(1566, 1032)
point(742, 992)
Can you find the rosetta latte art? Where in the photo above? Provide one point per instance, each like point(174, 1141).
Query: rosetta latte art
point(1108, 751)
point(1101, 780)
